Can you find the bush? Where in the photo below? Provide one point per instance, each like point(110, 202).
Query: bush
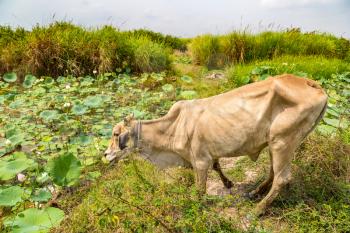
point(236, 47)
point(205, 50)
point(63, 48)
point(167, 40)
point(298, 65)
point(149, 56)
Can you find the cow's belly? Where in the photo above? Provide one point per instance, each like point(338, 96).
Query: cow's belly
point(165, 159)
point(235, 137)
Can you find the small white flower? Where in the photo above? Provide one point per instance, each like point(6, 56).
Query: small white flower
point(51, 188)
point(7, 142)
point(66, 105)
point(95, 71)
point(21, 177)
point(67, 86)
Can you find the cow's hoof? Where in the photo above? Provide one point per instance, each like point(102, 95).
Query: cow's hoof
point(259, 211)
point(228, 184)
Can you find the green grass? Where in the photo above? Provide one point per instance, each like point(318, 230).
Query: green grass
point(65, 49)
point(315, 67)
point(237, 47)
point(137, 197)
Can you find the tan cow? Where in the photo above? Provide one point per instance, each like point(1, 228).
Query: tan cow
point(278, 112)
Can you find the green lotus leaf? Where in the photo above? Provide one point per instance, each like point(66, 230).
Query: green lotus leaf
point(3, 84)
point(93, 101)
point(10, 77)
point(28, 81)
point(187, 79)
point(93, 175)
point(34, 220)
point(41, 195)
point(263, 77)
point(168, 88)
point(61, 79)
point(2, 99)
point(332, 122)
point(49, 80)
point(16, 104)
point(65, 170)
point(188, 95)
point(106, 130)
point(79, 109)
point(83, 140)
point(49, 115)
point(39, 91)
point(11, 196)
point(326, 130)
point(42, 177)
point(16, 139)
point(257, 71)
point(12, 165)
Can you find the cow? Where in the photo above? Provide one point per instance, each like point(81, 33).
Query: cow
point(277, 113)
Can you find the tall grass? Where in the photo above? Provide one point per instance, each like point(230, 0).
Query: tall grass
point(237, 47)
point(315, 67)
point(63, 48)
point(167, 40)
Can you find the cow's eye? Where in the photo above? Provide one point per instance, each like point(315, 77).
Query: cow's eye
point(116, 134)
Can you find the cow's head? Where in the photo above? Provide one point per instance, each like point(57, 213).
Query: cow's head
point(120, 139)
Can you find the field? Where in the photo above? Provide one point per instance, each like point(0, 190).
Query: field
point(60, 100)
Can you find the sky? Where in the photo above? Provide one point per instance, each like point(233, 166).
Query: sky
point(185, 18)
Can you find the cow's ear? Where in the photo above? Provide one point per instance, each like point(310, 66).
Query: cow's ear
point(128, 119)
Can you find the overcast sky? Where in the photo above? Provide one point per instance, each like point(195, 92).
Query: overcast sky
point(184, 17)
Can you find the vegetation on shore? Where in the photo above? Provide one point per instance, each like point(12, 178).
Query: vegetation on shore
point(216, 51)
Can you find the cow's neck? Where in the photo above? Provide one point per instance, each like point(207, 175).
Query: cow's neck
point(153, 140)
point(151, 133)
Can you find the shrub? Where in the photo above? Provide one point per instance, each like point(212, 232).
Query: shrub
point(149, 56)
point(239, 47)
point(63, 48)
point(205, 50)
point(167, 40)
point(299, 65)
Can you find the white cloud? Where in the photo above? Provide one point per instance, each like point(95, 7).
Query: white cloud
point(294, 3)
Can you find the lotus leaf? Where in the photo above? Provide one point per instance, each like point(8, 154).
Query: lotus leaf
point(79, 109)
point(29, 81)
point(49, 115)
point(10, 77)
point(93, 101)
point(188, 94)
point(10, 196)
point(14, 164)
point(65, 169)
point(34, 220)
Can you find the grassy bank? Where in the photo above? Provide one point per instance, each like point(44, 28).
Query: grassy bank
point(314, 67)
point(219, 50)
point(63, 48)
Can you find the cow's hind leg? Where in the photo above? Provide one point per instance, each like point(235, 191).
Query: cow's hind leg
point(266, 184)
point(216, 166)
point(282, 154)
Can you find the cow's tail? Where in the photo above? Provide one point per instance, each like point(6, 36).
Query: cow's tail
point(319, 118)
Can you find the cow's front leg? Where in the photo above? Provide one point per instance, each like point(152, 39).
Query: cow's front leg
point(201, 168)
